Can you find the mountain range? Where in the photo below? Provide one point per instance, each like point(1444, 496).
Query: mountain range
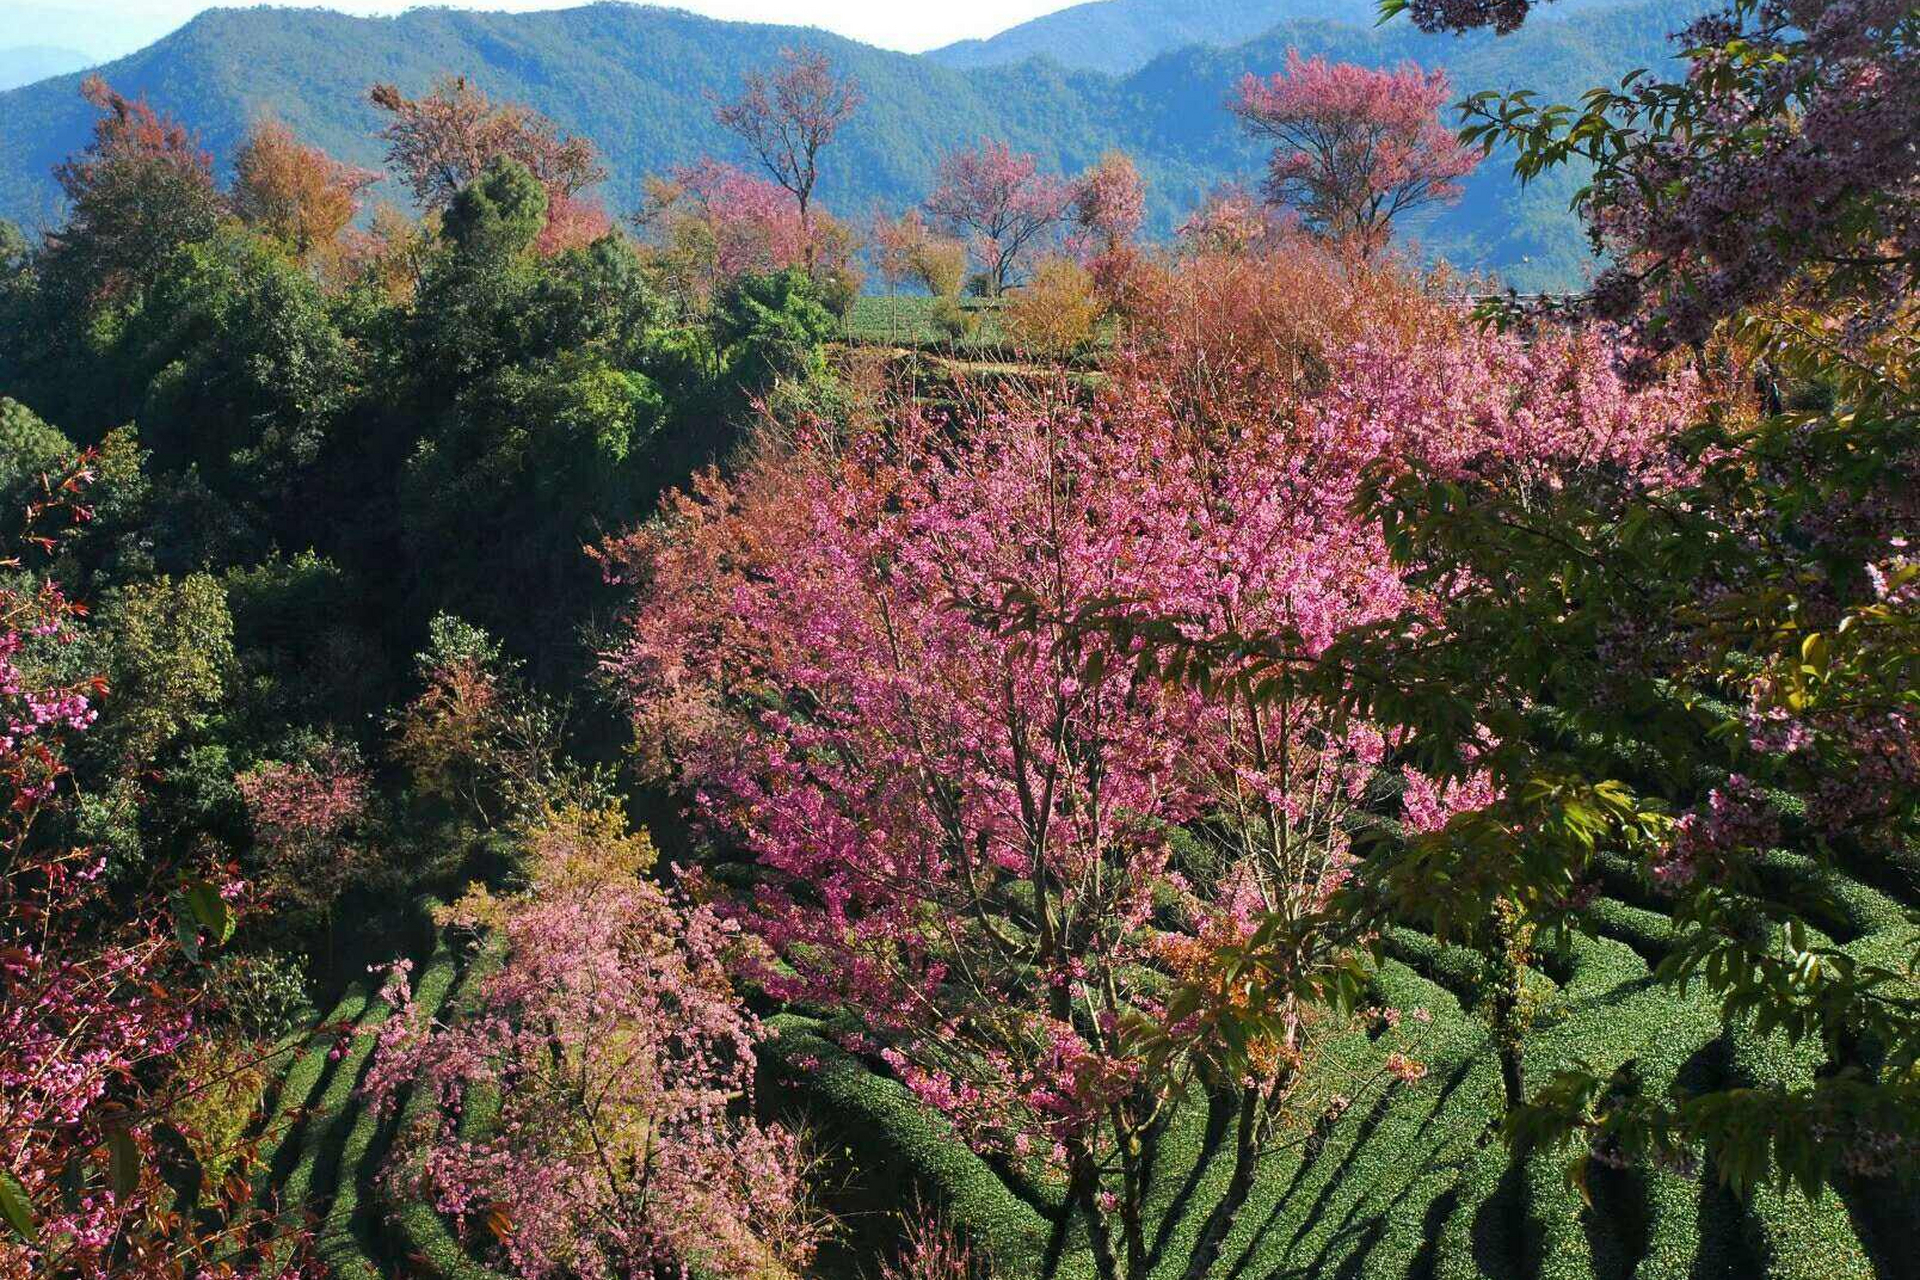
point(1120, 36)
point(639, 81)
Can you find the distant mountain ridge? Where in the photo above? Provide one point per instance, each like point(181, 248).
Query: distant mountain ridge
point(636, 80)
point(1121, 36)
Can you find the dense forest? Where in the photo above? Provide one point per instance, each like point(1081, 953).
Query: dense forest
point(711, 738)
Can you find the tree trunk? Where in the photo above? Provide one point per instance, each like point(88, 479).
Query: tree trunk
point(1507, 958)
point(1086, 1194)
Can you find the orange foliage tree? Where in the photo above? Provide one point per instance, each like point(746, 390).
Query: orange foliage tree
point(297, 194)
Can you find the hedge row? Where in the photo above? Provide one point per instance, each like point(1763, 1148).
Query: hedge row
point(347, 1233)
point(906, 1152)
point(419, 1234)
point(296, 1087)
point(1417, 1185)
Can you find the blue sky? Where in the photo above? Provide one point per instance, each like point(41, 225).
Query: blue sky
point(109, 28)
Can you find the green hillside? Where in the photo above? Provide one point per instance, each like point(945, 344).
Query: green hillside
point(1119, 36)
point(636, 81)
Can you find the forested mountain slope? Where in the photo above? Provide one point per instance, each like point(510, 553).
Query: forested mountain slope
point(636, 80)
point(1119, 36)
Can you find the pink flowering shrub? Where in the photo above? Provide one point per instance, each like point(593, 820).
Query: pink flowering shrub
point(626, 1143)
point(1529, 411)
point(95, 1006)
point(866, 663)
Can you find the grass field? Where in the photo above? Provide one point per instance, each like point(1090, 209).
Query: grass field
point(908, 321)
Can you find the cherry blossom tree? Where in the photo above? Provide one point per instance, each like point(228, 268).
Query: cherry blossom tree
point(1000, 200)
point(788, 116)
point(1109, 204)
point(309, 818)
point(863, 662)
point(439, 143)
point(1354, 148)
point(624, 1065)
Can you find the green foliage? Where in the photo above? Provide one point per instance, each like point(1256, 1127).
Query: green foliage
point(30, 450)
point(498, 214)
point(169, 654)
point(897, 1146)
point(772, 326)
point(309, 1059)
point(1421, 1184)
point(263, 995)
point(235, 367)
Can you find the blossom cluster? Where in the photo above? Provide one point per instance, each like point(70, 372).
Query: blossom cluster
point(864, 663)
point(624, 1064)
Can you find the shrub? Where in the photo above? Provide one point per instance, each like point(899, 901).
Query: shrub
point(1054, 314)
point(951, 320)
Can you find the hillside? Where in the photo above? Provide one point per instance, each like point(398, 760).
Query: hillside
point(636, 80)
point(1119, 36)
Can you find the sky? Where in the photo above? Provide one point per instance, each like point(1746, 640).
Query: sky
point(109, 28)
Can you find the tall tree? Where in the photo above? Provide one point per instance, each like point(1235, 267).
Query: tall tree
point(297, 194)
point(1000, 200)
point(1354, 147)
point(441, 142)
point(862, 658)
point(787, 116)
point(141, 188)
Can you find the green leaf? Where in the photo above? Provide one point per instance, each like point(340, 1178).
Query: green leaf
point(186, 934)
point(16, 1208)
point(211, 910)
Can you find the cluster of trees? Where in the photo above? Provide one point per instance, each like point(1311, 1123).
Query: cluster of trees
point(1064, 752)
point(1353, 149)
point(268, 435)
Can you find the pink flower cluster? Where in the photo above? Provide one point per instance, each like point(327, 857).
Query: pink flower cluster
point(1354, 147)
point(626, 1142)
point(1738, 821)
